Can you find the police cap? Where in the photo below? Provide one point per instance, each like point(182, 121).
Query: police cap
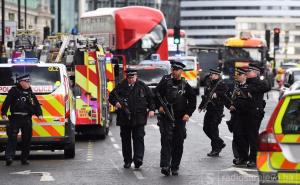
point(130, 72)
point(23, 77)
point(215, 71)
point(254, 67)
point(177, 65)
point(241, 71)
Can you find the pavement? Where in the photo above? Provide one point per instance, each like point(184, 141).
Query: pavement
point(101, 162)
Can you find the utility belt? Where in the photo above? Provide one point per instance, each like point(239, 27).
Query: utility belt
point(20, 115)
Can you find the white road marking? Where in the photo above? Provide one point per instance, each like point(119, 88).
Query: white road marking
point(138, 175)
point(114, 165)
point(90, 154)
point(109, 133)
point(112, 139)
point(116, 146)
point(229, 137)
point(45, 176)
point(242, 171)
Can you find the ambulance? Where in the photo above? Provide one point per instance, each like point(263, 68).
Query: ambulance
point(50, 83)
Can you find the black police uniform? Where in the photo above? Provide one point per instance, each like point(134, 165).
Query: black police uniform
point(251, 116)
point(139, 99)
point(181, 100)
point(237, 97)
point(214, 113)
point(23, 104)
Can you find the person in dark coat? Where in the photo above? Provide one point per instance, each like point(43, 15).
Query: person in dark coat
point(236, 108)
point(180, 100)
point(251, 113)
point(213, 102)
point(134, 101)
point(23, 104)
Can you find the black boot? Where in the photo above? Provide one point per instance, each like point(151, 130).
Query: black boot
point(127, 165)
point(138, 163)
point(24, 162)
point(9, 162)
point(213, 153)
point(239, 162)
point(251, 164)
point(165, 171)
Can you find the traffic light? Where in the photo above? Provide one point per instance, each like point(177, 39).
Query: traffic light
point(267, 37)
point(176, 35)
point(276, 38)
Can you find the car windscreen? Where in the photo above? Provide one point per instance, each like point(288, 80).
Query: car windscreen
point(43, 79)
point(189, 64)
point(151, 76)
point(291, 119)
point(296, 76)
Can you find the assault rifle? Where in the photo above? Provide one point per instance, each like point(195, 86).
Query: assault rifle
point(124, 105)
point(210, 96)
point(165, 107)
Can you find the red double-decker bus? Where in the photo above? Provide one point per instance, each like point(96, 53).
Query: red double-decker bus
point(134, 32)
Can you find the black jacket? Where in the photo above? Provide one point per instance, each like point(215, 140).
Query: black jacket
point(217, 103)
point(185, 100)
point(139, 99)
point(21, 100)
point(256, 89)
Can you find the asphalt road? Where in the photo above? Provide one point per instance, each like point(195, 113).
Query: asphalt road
point(100, 161)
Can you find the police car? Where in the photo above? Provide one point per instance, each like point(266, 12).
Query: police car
point(278, 157)
point(50, 83)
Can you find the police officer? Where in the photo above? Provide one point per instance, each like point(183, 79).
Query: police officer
point(23, 104)
point(213, 101)
point(251, 115)
point(236, 108)
point(181, 102)
point(133, 100)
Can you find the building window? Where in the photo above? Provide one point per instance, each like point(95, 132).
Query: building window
point(11, 16)
point(297, 50)
point(36, 20)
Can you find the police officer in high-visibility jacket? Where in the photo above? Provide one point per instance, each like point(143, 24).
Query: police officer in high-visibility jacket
point(23, 104)
point(181, 100)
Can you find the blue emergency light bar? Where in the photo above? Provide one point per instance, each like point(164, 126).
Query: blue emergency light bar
point(25, 60)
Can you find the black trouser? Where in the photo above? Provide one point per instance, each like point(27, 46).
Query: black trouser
point(172, 139)
point(137, 134)
point(15, 124)
point(234, 124)
point(247, 134)
point(212, 119)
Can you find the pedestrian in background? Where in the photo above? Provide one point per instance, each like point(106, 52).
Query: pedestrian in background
point(213, 102)
point(23, 104)
point(134, 101)
point(180, 99)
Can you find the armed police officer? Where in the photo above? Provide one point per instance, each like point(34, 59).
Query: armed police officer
point(134, 101)
point(236, 106)
point(213, 101)
point(250, 116)
point(176, 102)
point(23, 104)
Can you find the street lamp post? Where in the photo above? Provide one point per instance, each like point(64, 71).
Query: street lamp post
point(19, 14)
point(25, 13)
